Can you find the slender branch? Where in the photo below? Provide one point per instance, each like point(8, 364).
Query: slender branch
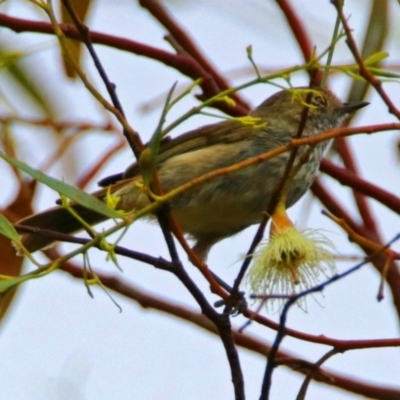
point(340, 345)
point(298, 29)
point(62, 237)
point(221, 322)
point(88, 175)
point(361, 240)
point(352, 180)
point(393, 274)
point(301, 36)
point(246, 341)
point(317, 365)
point(364, 72)
point(183, 63)
point(348, 158)
point(271, 362)
point(183, 39)
point(227, 337)
point(224, 328)
point(131, 135)
point(163, 220)
point(276, 196)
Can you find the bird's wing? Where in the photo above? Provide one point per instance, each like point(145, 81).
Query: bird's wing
point(223, 132)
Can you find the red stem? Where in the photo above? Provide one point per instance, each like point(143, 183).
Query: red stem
point(347, 156)
point(350, 179)
point(364, 72)
point(379, 261)
point(246, 341)
point(301, 36)
point(185, 64)
point(184, 40)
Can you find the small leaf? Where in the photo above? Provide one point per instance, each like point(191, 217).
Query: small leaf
point(255, 122)
point(147, 164)
point(81, 8)
point(249, 51)
point(7, 229)
point(385, 74)
point(356, 76)
point(26, 79)
point(7, 284)
point(376, 57)
point(228, 100)
point(69, 191)
point(9, 58)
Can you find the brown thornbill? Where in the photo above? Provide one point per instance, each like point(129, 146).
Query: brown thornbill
point(227, 204)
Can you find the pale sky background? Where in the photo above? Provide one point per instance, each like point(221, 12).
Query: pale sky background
point(60, 344)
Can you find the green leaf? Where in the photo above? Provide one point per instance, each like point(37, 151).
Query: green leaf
point(384, 73)
point(69, 191)
point(148, 158)
point(7, 284)
point(7, 229)
point(375, 35)
point(26, 79)
point(376, 57)
point(9, 58)
point(81, 8)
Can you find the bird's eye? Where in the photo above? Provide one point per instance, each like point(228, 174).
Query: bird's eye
point(318, 100)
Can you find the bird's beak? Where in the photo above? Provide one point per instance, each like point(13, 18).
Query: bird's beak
point(348, 108)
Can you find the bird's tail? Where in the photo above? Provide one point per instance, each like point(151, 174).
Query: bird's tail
point(60, 220)
point(56, 219)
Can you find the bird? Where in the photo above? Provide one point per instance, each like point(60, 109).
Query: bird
point(223, 206)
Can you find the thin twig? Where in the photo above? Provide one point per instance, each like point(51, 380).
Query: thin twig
point(317, 365)
point(364, 72)
point(149, 301)
point(271, 362)
point(182, 63)
point(131, 135)
point(333, 206)
point(157, 9)
point(352, 180)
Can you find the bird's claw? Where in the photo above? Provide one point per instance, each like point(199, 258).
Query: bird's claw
point(234, 305)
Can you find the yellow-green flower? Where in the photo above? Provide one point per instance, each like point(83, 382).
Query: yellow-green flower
point(291, 261)
point(112, 200)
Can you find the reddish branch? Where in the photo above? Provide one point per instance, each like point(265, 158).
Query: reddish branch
point(183, 39)
point(333, 205)
point(195, 65)
point(364, 72)
point(347, 156)
point(300, 35)
point(379, 261)
point(298, 29)
point(348, 178)
point(246, 341)
point(339, 345)
point(88, 175)
point(370, 230)
point(185, 64)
